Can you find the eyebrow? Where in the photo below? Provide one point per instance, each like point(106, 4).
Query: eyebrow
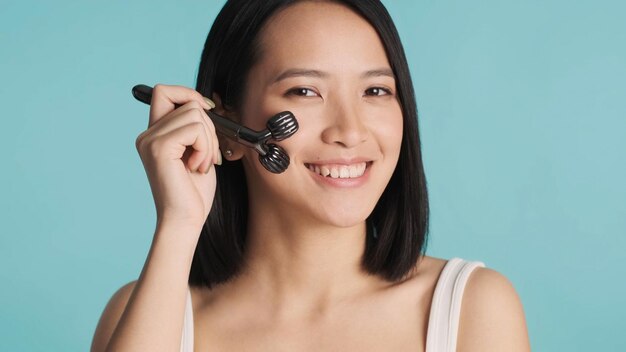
point(379, 72)
point(301, 72)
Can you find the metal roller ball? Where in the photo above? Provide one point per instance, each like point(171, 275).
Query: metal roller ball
point(276, 160)
point(282, 125)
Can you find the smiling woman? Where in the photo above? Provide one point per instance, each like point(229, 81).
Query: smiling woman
point(328, 255)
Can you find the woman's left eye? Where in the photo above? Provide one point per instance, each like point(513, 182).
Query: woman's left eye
point(377, 91)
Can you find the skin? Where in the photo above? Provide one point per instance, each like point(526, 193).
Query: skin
point(302, 287)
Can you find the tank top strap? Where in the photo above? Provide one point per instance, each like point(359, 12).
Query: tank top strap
point(445, 310)
point(186, 343)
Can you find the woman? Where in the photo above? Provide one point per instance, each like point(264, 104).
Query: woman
point(328, 255)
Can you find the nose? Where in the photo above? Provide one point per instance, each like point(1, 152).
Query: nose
point(345, 126)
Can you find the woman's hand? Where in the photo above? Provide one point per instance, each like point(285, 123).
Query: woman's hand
point(178, 151)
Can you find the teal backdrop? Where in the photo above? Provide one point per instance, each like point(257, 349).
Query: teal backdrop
point(523, 123)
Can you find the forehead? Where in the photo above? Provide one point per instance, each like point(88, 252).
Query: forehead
point(320, 34)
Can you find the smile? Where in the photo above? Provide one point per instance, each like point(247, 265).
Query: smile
point(339, 170)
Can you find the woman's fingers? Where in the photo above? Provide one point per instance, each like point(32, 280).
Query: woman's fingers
point(179, 141)
point(164, 98)
point(191, 112)
point(193, 136)
point(212, 159)
point(186, 137)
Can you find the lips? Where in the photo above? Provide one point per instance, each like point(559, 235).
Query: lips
point(353, 170)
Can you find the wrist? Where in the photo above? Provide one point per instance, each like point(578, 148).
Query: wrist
point(177, 223)
point(183, 233)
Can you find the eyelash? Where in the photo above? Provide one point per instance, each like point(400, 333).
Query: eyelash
point(387, 91)
point(299, 90)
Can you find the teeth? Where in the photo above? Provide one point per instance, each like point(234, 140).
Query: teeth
point(353, 171)
point(339, 171)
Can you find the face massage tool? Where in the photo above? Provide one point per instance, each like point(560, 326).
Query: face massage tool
point(279, 127)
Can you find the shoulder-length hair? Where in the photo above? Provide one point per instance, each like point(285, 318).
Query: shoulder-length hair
point(398, 225)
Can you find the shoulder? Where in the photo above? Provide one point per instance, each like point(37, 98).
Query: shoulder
point(492, 316)
point(111, 316)
point(427, 267)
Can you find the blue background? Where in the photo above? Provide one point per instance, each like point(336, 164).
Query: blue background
point(522, 117)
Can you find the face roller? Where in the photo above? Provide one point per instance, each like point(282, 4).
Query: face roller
point(279, 127)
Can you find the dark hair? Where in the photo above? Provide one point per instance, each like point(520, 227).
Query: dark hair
point(398, 225)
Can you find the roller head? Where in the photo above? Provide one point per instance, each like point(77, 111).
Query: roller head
point(276, 160)
point(282, 125)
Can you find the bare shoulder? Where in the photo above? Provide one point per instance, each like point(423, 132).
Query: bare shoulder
point(492, 316)
point(428, 267)
point(111, 316)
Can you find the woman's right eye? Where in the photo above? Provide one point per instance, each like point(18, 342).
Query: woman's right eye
point(302, 92)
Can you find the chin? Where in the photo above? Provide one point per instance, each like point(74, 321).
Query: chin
point(345, 218)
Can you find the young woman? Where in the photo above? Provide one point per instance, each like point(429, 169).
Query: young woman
point(326, 256)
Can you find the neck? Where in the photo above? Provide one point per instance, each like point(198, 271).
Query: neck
point(296, 267)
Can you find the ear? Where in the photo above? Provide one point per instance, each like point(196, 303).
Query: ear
point(230, 149)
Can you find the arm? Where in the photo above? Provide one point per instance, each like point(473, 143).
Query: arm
point(178, 151)
point(492, 316)
point(147, 315)
point(111, 316)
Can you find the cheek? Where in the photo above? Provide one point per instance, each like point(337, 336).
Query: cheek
point(388, 131)
point(256, 112)
point(257, 120)
point(398, 132)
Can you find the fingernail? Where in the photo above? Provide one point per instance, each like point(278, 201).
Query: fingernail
point(209, 101)
point(219, 158)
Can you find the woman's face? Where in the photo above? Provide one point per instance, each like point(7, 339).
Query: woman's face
point(326, 65)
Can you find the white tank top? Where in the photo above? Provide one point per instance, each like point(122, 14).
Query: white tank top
point(443, 322)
